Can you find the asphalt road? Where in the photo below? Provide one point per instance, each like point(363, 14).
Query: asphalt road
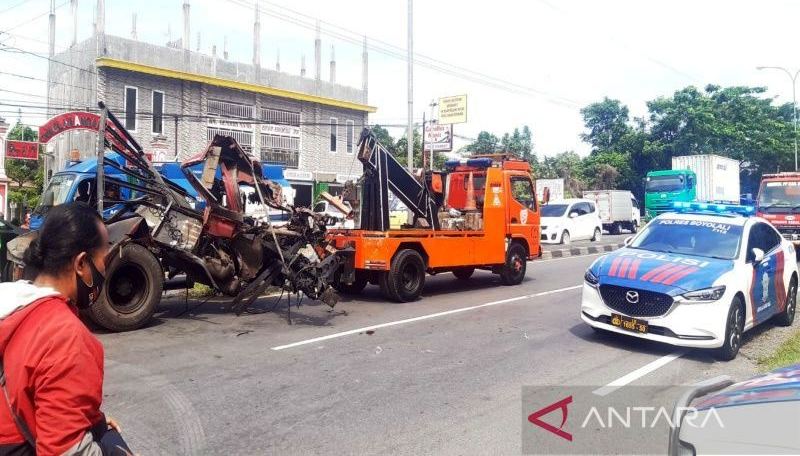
point(442, 375)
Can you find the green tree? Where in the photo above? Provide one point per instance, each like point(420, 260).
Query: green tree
point(384, 138)
point(607, 122)
point(486, 143)
point(400, 152)
point(567, 165)
point(26, 174)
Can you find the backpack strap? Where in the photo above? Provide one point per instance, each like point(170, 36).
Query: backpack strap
point(21, 425)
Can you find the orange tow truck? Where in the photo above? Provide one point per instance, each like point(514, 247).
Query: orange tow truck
point(481, 213)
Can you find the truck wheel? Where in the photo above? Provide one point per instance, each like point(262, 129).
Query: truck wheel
point(786, 318)
point(516, 265)
point(634, 227)
point(134, 282)
point(565, 239)
point(597, 234)
point(463, 273)
point(406, 278)
point(614, 228)
point(733, 331)
point(354, 288)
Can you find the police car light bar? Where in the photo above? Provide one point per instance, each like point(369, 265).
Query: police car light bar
point(684, 206)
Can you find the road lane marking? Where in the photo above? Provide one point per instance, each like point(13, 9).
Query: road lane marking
point(639, 373)
point(424, 317)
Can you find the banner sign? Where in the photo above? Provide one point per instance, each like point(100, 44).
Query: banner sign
point(438, 138)
point(453, 110)
point(281, 130)
point(68, 121)
point(22, 150)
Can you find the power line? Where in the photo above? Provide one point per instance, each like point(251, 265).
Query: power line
point(12, 7)
point(33, 18)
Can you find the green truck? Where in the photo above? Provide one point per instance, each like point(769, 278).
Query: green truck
point(704, 177)
point(663, 188)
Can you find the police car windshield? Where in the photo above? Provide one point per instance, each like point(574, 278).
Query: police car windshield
point(553, 210)
point(710, 239)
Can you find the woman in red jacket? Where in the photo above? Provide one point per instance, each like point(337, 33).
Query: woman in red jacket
point(52, 364)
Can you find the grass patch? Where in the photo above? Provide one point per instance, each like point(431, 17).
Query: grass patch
point(787, 353)
point(200, 291)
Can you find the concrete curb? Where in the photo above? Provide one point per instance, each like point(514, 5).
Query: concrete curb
point(578, 251)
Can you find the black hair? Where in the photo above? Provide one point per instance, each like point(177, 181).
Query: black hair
point(68, 230)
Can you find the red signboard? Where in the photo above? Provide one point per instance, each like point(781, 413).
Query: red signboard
point(68, 121)
point(22, 150)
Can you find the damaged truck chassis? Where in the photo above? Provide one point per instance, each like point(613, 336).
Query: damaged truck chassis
point(164, 232)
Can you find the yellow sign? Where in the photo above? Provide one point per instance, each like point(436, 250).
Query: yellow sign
point(452, 110)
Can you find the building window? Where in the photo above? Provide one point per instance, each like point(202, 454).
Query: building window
point(228, 109)
point(244, 138)
point(280, 117)
point(158, 112)
point(334, 126)
point(280, 150)
point(351, 131)
point(131, 104)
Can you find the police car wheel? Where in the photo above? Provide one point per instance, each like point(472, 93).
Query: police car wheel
point(786, 318)
point(733, 331)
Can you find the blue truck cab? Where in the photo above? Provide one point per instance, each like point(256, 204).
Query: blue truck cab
point(77, 183)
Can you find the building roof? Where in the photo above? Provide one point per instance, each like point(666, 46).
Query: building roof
point(107, 62)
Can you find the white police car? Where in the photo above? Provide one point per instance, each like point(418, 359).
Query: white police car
point(698, 277)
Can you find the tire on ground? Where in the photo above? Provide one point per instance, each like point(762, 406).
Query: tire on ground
point(463, 273)
point(134, 282)
point(516, 264)
point(406, 277)
point(734, 328)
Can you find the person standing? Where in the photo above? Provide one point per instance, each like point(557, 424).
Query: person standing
point(52, 365)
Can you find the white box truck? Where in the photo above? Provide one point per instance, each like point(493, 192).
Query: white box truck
point(555, 189)
point(618, 209)
point(717, 177)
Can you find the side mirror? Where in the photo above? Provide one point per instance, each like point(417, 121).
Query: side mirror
point(758, 255)
point(573, 214)
point(628, 241)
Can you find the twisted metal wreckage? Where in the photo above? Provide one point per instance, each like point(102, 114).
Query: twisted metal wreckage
point(159, 225)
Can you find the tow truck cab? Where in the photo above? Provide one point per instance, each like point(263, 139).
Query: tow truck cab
point(779, 203)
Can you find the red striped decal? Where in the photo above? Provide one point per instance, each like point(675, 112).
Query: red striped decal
point(624, 268)
point(679, 275)
point(649, 275)
point(614, 267)
point(634, 268)
point(668, 272)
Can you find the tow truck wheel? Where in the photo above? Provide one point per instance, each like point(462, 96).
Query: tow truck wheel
point(134, 282)
point(733, 331)
point(406, 278)
point(786, 318)
point(516, 264)
point(463, 273)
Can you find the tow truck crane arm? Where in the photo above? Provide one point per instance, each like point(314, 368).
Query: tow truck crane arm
point(382, 172)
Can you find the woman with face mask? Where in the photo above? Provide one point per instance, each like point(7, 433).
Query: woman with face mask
point(52, 365)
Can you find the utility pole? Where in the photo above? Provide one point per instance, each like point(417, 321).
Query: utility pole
point(793, 77)
point(410, 129)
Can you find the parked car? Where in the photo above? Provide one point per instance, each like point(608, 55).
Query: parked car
point(570, 219)
point(756, 416)
point(698, 278)
point(340, 220)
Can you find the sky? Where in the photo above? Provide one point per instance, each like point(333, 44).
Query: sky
point(534, 62)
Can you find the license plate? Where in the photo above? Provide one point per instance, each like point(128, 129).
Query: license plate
point(629, 323)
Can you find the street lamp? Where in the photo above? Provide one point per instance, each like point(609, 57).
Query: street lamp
point(794, 101)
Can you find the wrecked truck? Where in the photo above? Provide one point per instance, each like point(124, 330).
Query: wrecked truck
point(161, 233)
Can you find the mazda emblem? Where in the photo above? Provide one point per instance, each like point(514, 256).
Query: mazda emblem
point(632, 297)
